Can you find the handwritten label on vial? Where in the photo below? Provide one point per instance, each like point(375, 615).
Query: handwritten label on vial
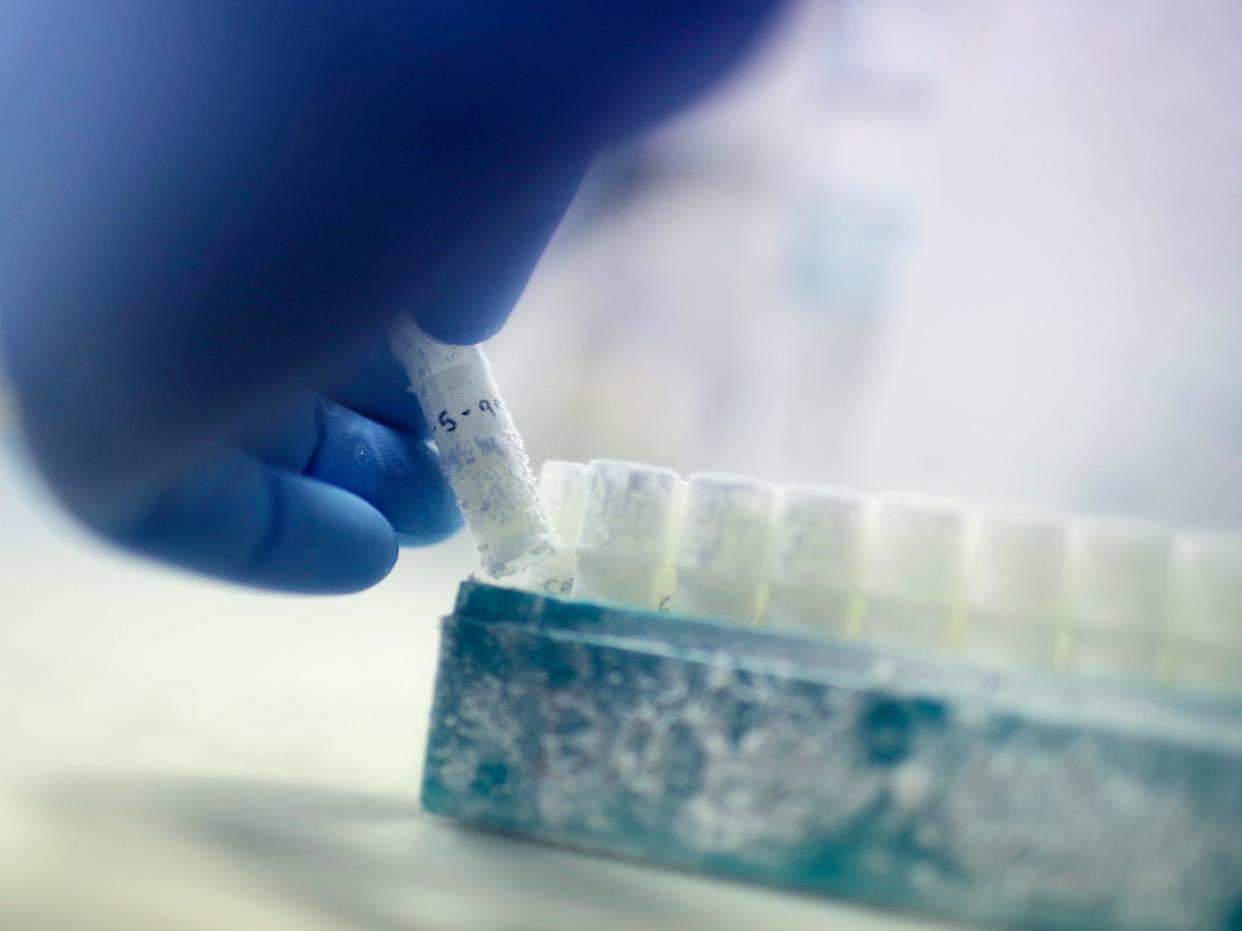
point(485, 405)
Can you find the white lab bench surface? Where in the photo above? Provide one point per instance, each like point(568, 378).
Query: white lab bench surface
point(177, 753)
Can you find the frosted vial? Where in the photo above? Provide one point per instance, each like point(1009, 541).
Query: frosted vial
point(1207, 588)
point(1205, 621)
point(666, 578)
point(1118, 595)
point(1094, 652)
point(1204, 666)
point(562, 486)
point(724, 548)
point(915, 556)
point(1015, 585)
point(817, 561)
point(626, 536)
point(480, 450)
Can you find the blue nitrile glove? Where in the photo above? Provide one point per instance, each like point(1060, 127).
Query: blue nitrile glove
point(210, 210)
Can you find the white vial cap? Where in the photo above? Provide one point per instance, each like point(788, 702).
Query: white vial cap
point(1207, 589)
point(820, 537)
point(1017, 565)
point(628, 510)
point(562, 486)
point(1119, 575)
point(726, 530)
point(916, 548)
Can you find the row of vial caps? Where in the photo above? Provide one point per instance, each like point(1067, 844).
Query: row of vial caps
point(1094, 595)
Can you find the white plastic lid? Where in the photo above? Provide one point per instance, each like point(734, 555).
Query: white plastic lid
point(1017, 564)
point(820, 537)
point(1119, 575)
point(726, 529)
point(628, 510)
point(916, 548)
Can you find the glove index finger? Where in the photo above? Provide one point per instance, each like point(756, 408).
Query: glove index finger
point(468, 298)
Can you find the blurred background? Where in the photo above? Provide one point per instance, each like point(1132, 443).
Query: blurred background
point(972, 248)
point(975, 248)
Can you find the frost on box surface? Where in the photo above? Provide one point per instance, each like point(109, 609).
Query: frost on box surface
point(886, 777)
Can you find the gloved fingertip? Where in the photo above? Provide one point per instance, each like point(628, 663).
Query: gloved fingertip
point(463, 327)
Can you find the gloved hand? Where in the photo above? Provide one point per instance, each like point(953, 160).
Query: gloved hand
point(210, 211)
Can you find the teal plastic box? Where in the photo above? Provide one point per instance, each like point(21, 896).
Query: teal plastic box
point(896, 778)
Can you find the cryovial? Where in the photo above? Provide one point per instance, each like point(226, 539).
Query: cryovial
point(817, 558)
point(1015, 587)
point(915, 556)
point(562, 486)
point(1204, 631)
point(724, 548)
point(1118, 596)
point(666, 578)
point(480, 450)
point(626, 536)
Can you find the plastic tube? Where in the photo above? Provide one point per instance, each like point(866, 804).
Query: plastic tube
point(915, 555)
point(1205, 624)
point(724, 546)
point(627, 522)
point(1118, 596)
point(817, 565)
point(480, 449)
point(1015, 588)
point(562, 486)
